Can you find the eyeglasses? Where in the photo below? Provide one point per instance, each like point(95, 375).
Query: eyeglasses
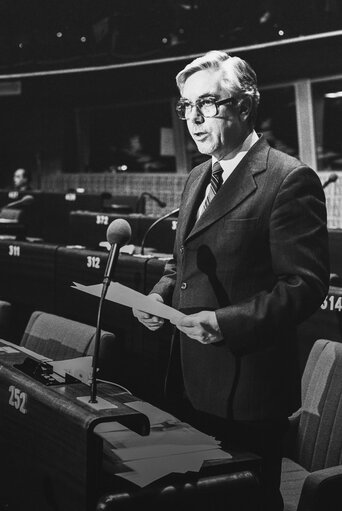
point(207, 107)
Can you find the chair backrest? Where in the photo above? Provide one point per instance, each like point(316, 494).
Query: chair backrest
point(60, 338)
point(5, 319)
point(319, 440)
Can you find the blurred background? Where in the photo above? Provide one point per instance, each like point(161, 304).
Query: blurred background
point(88, 87)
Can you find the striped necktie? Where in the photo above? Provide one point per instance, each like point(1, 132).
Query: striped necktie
point(215, 184)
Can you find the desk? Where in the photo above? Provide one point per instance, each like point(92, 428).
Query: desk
point(48, 216)
point(53, 459)
point(325, 323)
point(87, 267)
point(50, 459)
point(38, 276)
point(335, 249)
point(162, 236)
point(27, 273)
point(88, 228)
point(56, 209)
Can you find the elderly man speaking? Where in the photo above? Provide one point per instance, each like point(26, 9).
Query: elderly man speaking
point(250, 263)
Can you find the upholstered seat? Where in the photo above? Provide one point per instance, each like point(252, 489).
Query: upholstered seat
point(60, 338)
point(12, 222)
point(5, 319)
point(312, 471)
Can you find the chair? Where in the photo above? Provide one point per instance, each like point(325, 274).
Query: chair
point(60, 338)
point(13, 222)
point(5, 319)
point(312, 470)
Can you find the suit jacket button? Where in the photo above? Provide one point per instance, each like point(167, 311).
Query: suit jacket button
point(184, 285)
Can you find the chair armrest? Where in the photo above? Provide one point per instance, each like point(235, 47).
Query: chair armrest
point(188, 491)
point(290, 439)
point(322, 490)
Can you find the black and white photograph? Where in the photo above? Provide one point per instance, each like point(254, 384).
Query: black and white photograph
point(170, 255)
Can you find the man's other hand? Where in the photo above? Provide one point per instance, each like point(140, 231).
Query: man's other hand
point(203, 327)
point(151, 322)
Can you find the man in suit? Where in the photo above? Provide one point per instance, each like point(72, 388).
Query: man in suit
point(250, 263)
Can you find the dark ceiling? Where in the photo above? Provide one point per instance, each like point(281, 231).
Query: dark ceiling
point(54, 34)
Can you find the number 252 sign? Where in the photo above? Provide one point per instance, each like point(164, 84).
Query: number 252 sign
point(17, 399)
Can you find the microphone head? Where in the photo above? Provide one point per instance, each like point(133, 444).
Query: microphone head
point(333, 177)
point(119, 231)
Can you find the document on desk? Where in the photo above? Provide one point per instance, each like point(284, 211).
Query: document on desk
point(172, 446)
point(124, 295)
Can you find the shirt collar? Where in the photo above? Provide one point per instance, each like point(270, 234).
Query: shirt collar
point(232, 159)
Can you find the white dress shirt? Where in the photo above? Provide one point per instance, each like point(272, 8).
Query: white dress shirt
point(230, 162)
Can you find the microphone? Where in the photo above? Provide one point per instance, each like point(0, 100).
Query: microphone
point(331, 179)
point(160, 203)
point(171, 213)
point(24, 201)
point(118, 234)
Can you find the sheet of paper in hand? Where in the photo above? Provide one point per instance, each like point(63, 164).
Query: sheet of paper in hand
point(124, 295)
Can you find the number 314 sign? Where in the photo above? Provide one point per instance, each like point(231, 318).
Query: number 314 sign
point(333, 303)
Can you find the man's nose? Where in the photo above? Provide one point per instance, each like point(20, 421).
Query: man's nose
point(196, 116)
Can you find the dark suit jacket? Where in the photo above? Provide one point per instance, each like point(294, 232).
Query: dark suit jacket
point(258, 256)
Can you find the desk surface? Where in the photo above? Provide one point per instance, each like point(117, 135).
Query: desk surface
point(43, 440)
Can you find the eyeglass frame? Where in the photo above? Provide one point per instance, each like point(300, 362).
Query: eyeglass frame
point(216, 103)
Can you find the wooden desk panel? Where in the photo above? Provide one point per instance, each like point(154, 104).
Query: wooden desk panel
point(49, 457)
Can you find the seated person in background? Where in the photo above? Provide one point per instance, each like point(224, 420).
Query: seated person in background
point(133, 157)
point(22, 180)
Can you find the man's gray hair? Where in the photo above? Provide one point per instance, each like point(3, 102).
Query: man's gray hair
point(238, 76)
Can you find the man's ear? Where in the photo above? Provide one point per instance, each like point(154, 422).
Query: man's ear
point(245, 107)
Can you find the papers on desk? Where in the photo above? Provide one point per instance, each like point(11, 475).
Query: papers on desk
point(123, 295)
point(172, 446)
point(80, 368)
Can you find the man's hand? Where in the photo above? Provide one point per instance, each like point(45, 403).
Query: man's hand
point(151, 322)
point(202, 327)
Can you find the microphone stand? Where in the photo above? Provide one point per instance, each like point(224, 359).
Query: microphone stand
point(111, 263)
point(173, 212)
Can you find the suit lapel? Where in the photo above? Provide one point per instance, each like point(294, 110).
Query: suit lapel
point(193, 198)
point(240, 185)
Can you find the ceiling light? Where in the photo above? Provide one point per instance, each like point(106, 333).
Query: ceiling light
point(333, 95)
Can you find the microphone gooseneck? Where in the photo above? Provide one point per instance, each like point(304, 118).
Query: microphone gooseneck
point(118, 234)
point(173, 212)
point(160, 203)
point(24, 201)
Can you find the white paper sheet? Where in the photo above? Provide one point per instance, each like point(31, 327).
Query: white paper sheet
point(172, 446)
point(144, 472)
point(155, 415)
point(124, 295)
point(80, 368)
